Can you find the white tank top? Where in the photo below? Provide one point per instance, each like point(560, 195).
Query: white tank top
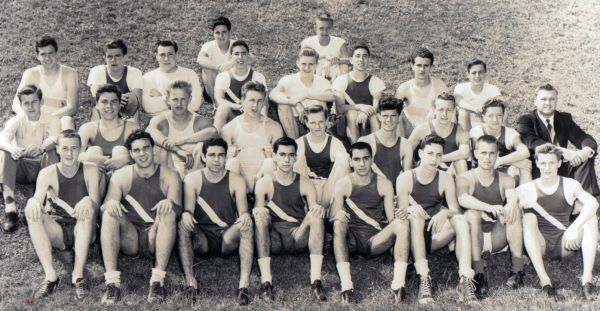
point(178, 163)
point(251, 154)
point(420, 105)
point(326, 52)
point(54, 96)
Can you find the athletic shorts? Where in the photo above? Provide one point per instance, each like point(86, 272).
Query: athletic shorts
point(359, 238)
point(284, 232)
point(143, 231)
point(68, 230)
point(214, 238)
point(342, 124)
point(553, 244)
point(487, 225)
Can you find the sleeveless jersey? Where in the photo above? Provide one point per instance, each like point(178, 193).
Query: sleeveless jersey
point(502, 149)
point(121, 84)
point(450, 144)
point(70, 190)
point(288, 199)
point(251, 154)
point(359, 91)
point(388, 159)
point(236, 86)
point(428, 196)
point(490, 194)
point(369, 201)
point(556, 205)
point(218, 197)
point(422, 102)
point(107, 145)
point(147, 192)
point(55, 95)
point(319, 163)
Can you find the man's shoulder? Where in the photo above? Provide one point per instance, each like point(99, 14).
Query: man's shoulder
point(134, 71)
point(99, 69)
point(185, 71)
point(562, 115)
point(87, 126)
point(152, 73)
point(461, 87)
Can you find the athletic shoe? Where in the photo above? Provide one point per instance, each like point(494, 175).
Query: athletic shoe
point(317, 290)
point(589, 291)
point(550, 291)
point(481, 285)
point(348, 296)
point(11, 222)
point(266, 291)
point(424, 296)
point(466, 290)
point(112, 295)
point(515, 280)
point(243, 296)
point(47, 288)
point(191, 293)
point(156, 292)
point(80, 288)
point(399, 296)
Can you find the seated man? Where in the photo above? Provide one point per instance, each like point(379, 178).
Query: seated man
point(357, 95)
point(513, 154)
point(158, 80)
point(103, 141)
point(366, 222)
point(301, 90)
point(139, 216)
point(392, 154)
point(549, 204)
point(27, 144)
point(216, 220)
point(470, 96)
point(456, 140)
point(250, 136)
point(547, 125)
point(493, 214)
point(333, 51)
point(72, 191)
point(59, 84)
point(321, 157)
point(127, 78)
point(288, 218)
point(422, 191)
point(419, 93)
point(179, 132)
point(228, 85)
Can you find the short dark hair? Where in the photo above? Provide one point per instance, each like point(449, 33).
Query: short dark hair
point(476, 62)
point(308, 52)
point(314, 110)
point(69, 133)
point(221, 21)
point(179, 84)
point(239, 43)
point(108, 88)
point(391, 103)
point(423, 53)
point(284, 141)
point(547, 148)
point(445, 96)
point(46, 41)
point(431, 140)
point(217, 141)
point(488, 139)
point(324, 16)
point(166, 43)
point(361, 145)
point(253, 86)
point(546, 87)
point(28, 90)
point(493, 103)
point(116, 44)
point(136, 135)
point(361, 46)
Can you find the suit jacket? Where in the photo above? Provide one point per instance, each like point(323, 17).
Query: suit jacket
point(534, 132)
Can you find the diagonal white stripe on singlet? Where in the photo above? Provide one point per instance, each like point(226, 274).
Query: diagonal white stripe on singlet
point(64, 205)
point(211, 213)
point(280, 213)
point(233, 96)
point(139, 209)
point(364, 217)
point(536, 206)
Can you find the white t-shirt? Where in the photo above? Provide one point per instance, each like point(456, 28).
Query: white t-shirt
point(509, 135)
point(97, 76)
point(340, 84)
point(224, 79)
point(467, 96)
point(527, 192)
point(336, 151)
point(211, 48)
point(328, 51)
point(20, 132)
point(160, 81)
point(293, 85)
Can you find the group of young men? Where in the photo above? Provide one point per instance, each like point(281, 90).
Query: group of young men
point(408, 175)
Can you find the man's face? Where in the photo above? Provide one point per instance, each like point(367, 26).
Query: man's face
point(316, 123)
point(285, 157)
point(166, 57)
point(389, 119)
point(361, 161)
point(323, 28)
point(47, 56)
point(493, 118)
point(477, 74)
point(31, 105)
point(108, 104)
point(360, 59)
point(221, 33)
point(421, 67)
point(240, 55)
point(306, 64)
point(68, 149)
point(115, 60)
point(142, 152)
point(486, 155)
point(444, 110)
point(548, 165)
point(252, 102)
point(215, 158)
point(431, 155)
point(545, 102)
point(178, 101)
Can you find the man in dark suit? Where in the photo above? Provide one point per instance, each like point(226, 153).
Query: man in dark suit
point(547, 125)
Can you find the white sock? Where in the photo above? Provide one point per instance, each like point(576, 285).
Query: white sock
point(316, 261)
point(399, 275)
point(10, 207)
point(468, 272)
point(345, 275)
point(51, 275)
point(113, 277)
point(264, 265)
point(158, 276)
point(422, 267)
point(74, 277)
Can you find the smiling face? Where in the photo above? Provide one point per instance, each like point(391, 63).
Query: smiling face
point(306, 65)
point(361, 161)
point(431, 156)
point(215, 159)
point(252, 103)
point(240, 55)
point(108, 104)
point(221, 34)
point(545, 102)
point(444, 110)
point(360, 59)
point(486, 155)
point(178, 101)
point(316, 123)
point(389, 119)
point(31, 105)
point(166, 57)
point(47, 56)
point(115, 60)
point(68, 149)
point(477, 74)
point(285, 157)
point(142, 152)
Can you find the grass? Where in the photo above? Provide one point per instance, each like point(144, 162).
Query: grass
point(524, 43)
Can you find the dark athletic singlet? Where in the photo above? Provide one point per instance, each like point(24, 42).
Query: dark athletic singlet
point(556, 205)
point(367, 198)
point(121, 84)
point(218, 196)
point(388, 159)
point(502, 149)
point(319, 163)
point(450, 144)
point(70, 190)
point(236, 86)
point(147, 192)
point(359, 91)
point(428, 196)
point(289, 199)
point(490, 195)
point(106, 145)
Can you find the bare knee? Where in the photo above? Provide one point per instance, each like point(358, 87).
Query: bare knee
point(473, 217)
point(340, 229)
point(119, 151)
point(459, 221)
point(67, 123)
point(399, 226)
point(168, 219)
point(529, 220)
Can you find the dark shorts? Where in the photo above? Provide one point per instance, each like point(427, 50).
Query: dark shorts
point(553, 244)
point(342, 125)
point(283, 232)
point(359, 239)
point(428, 237)
point(214, 238)
point(143, 231)
point(488, 226)
point(68, 230)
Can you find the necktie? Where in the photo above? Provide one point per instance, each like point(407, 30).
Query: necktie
point(550, 130)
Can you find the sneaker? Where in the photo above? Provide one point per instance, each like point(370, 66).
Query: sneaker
point(481, 285)
point(11, 222)
point(243, 296)
point(589, 291)
point(550, 292)
point(466, 290)
point(348, 296)
point(515, 280)
point(47, 288)
point(191, 292)
point(317, 290)
point(80, 288)
point(112, 295)
point(156, 292)
point(399, 296)
point(424, 296)
point(266, 291)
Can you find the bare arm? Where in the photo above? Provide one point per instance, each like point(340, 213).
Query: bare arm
point(449, 188)
point(462, 139)
point(278, 95)
point(239, 190)
point(341, 190)
point(465, 186)
point(521, 153)
point(93, 179)
point(406, 154)
point(386, 190)
point(70, 108)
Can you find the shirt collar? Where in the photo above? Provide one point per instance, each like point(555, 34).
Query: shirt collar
point(551, 119)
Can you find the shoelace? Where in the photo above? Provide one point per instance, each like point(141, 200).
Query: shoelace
point(425, 287)
point(470, 283)
point(110, 292)
point(45, 287)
